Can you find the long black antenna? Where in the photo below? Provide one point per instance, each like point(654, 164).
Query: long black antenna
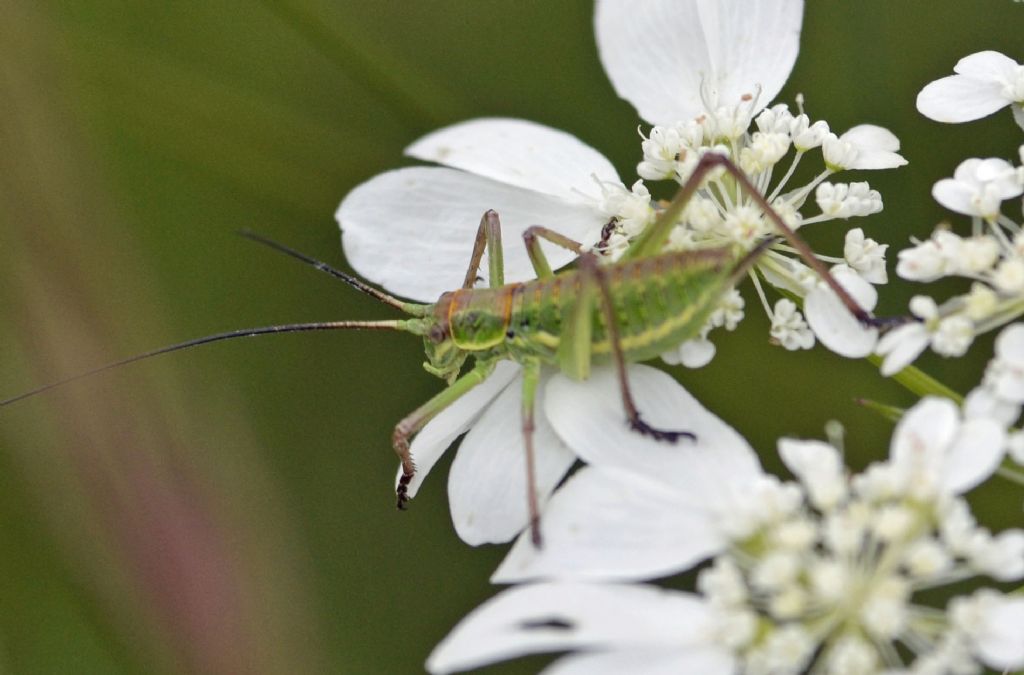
point(409, 308)
point(400, 325)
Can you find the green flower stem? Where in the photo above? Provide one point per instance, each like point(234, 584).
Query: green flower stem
point(1011, 472)
point(889, 412)
point(918, 382)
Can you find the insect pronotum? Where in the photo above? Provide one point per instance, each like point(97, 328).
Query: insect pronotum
point(568, 320)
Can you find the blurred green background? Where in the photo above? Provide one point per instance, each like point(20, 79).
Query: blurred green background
point(230, 510)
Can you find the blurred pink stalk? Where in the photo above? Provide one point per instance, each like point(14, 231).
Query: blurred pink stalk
point(162, 505)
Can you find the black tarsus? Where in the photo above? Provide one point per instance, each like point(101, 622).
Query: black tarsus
point(637, 424)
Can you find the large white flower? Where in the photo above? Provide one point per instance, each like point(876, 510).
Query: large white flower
point(621, 628)
point(680, 60)
point(984, 83)
point(820, 575)
point(411, 230)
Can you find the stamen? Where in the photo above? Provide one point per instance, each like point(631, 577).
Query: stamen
point(785, 179)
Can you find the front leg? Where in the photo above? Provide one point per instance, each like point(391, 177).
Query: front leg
point(418, 418)
point(488, 237)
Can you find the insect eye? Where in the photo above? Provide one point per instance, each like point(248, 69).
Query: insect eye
point(436, 334)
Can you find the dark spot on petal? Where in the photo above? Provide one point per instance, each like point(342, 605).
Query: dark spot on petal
point(540, 624)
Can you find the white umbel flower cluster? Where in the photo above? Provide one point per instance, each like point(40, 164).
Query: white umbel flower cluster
point(829, 581)
point(721, 216)
point(984, 189)
point(829, 574)
point(992, 257)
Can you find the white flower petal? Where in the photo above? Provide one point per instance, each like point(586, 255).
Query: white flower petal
point(1000, 175)
point(975, 455)
point(983, 402)
point(439, 433)
point(610, 523)
point(831, 320)
point(955, 196)
point(988, 64)
point(658, 54)
point(809, 458)
point(590, 418)
point(695, 353)
point(872, 136)
point(1009, 386)
point(925, 432)
point(957, 98)
point(487, 483)
point(412, 230)
point(691, 661)
point(1001, 645)
point(522, 154)
point(901, 346)
point(978, 90)
point(1009, 344)
point(555, 617)
point(877, 147)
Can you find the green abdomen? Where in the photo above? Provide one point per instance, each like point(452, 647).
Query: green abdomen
point(658, 303)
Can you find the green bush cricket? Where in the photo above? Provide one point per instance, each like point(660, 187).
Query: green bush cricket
point(632, 310)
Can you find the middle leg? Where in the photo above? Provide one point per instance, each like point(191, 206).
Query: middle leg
point(591, 269)
point(531, 377)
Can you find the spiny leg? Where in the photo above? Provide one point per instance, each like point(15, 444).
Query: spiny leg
point(418, 418)
point(654, 237)
point(537, 257)
point(488, 236)
point(575, 342)
point(593, 274)
point(531, 376)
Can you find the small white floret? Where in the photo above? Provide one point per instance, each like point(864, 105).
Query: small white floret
point(884, 613)
point(851, 655)
point(953, 336)
point(789, 328)
point(866, 256)
point(776, 119)
point(808, 137)
point(927, 558)
point(865, 146)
